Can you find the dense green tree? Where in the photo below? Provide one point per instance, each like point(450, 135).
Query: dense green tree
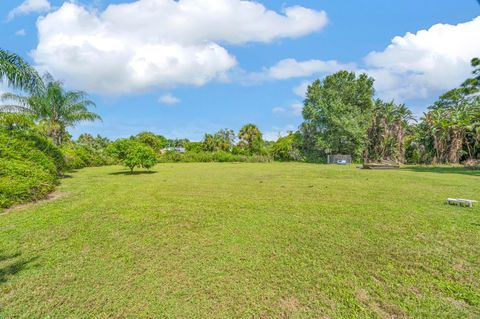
point(287, 148)
point(156, 142)
point(133, 154)
point(251, 138)
point(98, 142)
point(337, 115)
point(194, 147)
point(223, 140)
point(181, 142)
point(55, 107)
point(209, 144)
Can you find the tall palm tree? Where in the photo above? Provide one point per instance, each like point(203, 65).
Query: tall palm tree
point(386, 135)
point(53, 106)
point(18, 73)
point(403, 119)
point(438, 125)
point(251, 136)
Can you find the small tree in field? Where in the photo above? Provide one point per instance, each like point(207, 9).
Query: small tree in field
point(133, 154)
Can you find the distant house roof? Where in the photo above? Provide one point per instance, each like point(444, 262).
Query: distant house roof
point(175, 149)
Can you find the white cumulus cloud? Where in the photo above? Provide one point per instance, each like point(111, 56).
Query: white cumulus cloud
point(291, 68)
point(417, 65)
point(294, 109)
point(30, 6)
point(169, 99)
point(301, 89)
point(427, 62)
point(143, 44)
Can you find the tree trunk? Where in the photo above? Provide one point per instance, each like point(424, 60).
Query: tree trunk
point(456, 144)
point(56, 136)
point(400, 142)
point(439, 149)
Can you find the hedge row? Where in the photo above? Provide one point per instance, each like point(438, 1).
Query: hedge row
point(30, 164)
point(195, 157)
point(80, 156)
point(29, 167)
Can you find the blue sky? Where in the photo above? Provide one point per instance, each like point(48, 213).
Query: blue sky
point(254, 59)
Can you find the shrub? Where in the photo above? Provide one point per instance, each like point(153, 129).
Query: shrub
point(28, 146)
point(80, 156)
point(204, 157)
point(29, 166)
point(133, 154)
point(72, 159)
point(285, 149)
point(22, 181)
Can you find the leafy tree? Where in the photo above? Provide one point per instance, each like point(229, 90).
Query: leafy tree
point(97, 143)
point(53, 106)
point(223, 140)
point(287, 148)
point(209, 144)
point(156, 142)
point(177, 142)
point(18, 73)
point(133, 154)
point(140, 155)
point(337, 115)
point(194, 147)
point(251, 138)
point(472, 85)
point(226, 139)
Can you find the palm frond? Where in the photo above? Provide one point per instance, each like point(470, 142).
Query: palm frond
point(18, 73)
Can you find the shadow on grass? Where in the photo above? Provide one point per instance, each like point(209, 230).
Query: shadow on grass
point(67, 174)
point(444, 170)
point(12, 265)
point(128, 173)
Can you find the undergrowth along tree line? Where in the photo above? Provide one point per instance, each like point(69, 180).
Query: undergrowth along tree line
point(341, 116)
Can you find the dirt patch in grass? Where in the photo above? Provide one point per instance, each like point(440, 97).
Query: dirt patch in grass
point(50, 197)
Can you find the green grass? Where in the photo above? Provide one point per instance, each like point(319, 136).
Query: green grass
point(246, 241)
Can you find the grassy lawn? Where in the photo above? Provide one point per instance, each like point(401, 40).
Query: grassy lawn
point(246, 241)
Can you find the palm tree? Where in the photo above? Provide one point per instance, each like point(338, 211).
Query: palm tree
point(53, 106)
point(18, 73)
point(251, 136)
point(386, 135)
point(403, 119)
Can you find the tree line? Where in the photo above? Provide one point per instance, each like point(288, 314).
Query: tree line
point(341, 116)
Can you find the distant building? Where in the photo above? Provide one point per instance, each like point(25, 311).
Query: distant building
point(174, 149)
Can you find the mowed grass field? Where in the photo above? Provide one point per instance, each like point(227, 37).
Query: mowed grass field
point(282, 240)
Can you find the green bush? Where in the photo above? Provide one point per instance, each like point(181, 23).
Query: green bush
point(80, 156)
point(29, 166)
point(205, 157)
point(22, 181)
point(133, 154)
point(27, 146)
point(286, 148)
